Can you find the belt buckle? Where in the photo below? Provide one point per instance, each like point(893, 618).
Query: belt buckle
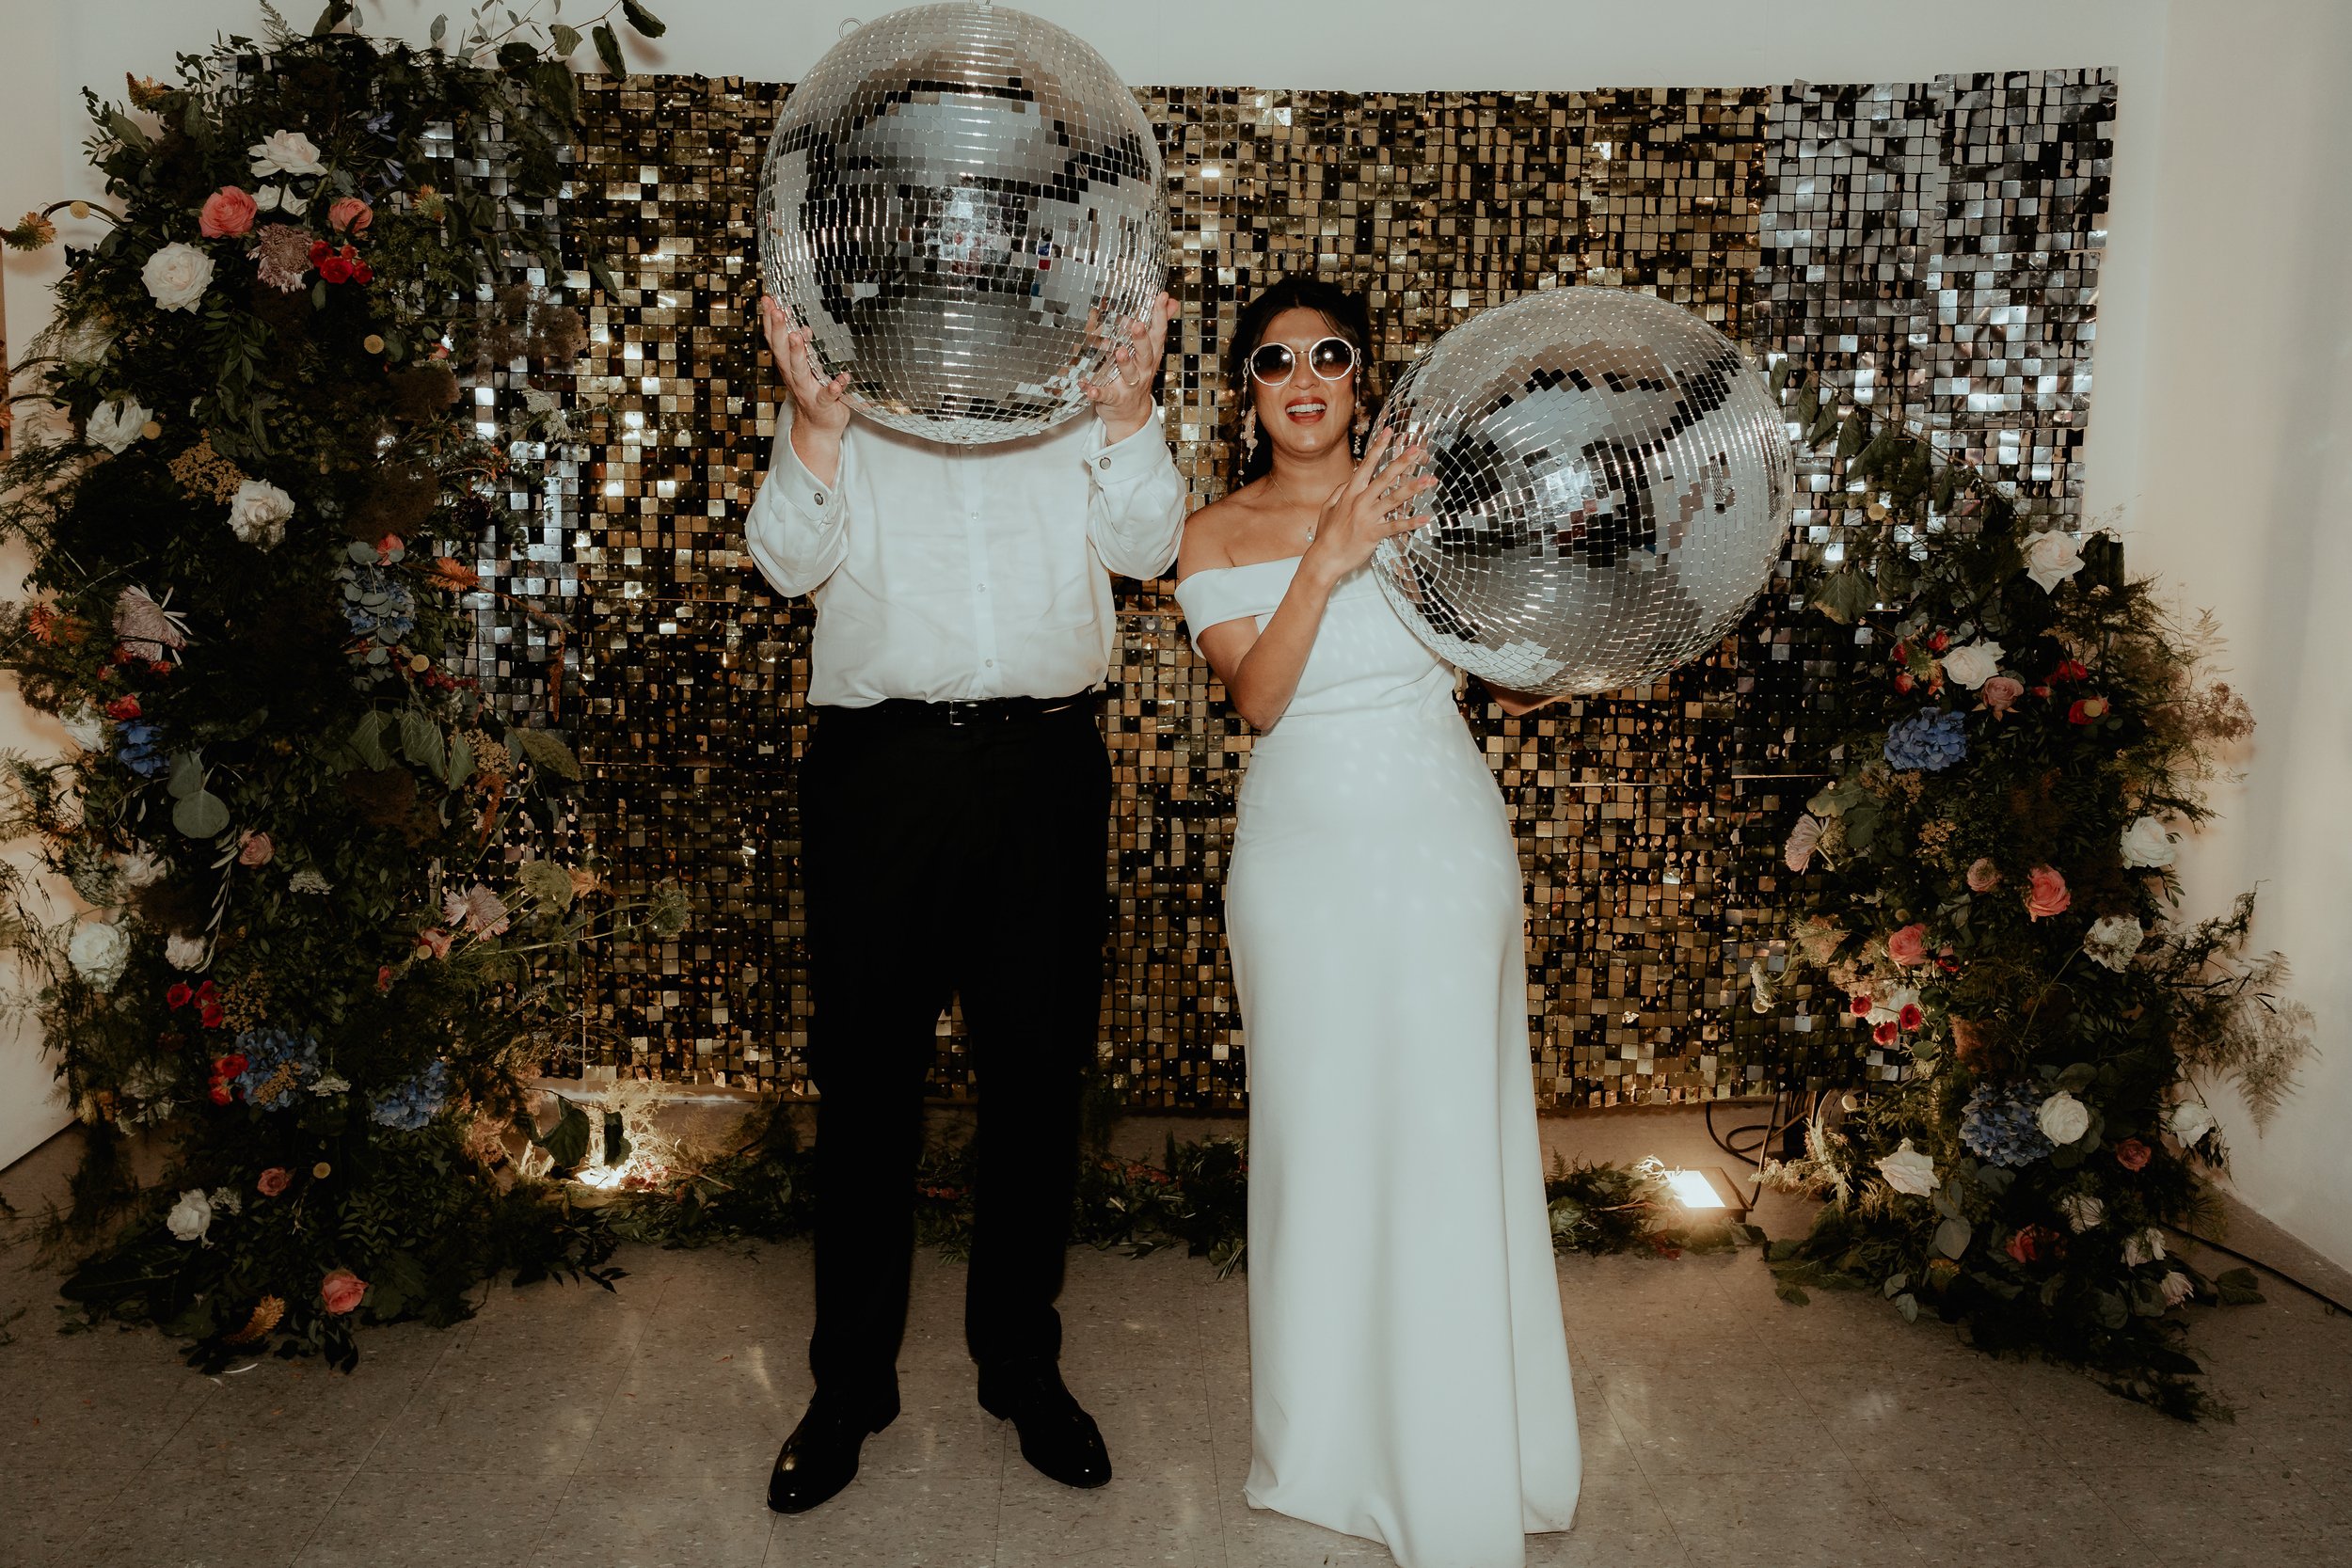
point(960, 714)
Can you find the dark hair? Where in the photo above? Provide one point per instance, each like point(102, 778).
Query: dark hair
point(1350, 316)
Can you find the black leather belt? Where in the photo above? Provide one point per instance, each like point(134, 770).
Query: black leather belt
point(907, 713)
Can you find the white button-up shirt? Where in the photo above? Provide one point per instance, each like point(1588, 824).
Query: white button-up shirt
point(949, 573)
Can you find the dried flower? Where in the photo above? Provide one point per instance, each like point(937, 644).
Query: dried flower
point(206, 474)
point(32, 233)
point(2111, 941)
point(1803, 839)
point(284, 254)
point(453, 575)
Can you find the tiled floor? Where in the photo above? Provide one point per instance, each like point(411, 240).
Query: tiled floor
point(566, 1425)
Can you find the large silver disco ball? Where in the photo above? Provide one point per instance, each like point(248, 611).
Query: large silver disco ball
point(1614, 484)
point(962, 203)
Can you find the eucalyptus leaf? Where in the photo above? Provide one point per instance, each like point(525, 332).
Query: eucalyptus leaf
point(203, 814)
point(1908, 1304)
point(1953, 1236)
point(440, 29)
point(1896, 1285)
point(187, 774)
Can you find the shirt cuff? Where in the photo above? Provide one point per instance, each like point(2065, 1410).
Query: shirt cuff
point(802, 490)
point(1129, 459)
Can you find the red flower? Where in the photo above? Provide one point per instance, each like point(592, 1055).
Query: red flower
point(209, 1013)
point(1860, 1005)
point(159, 667)
point(2040, 690)
point(1901, 653)
point(362, 272)
point(1911, 1017)
point(219, 1091)
point(2132, 1154)
point(2034, 1242)
point(180, 995)
point(1938, 642)
point(1903, 681)
point(2087, 710)
point(2069, 669)
point(1948, 963)
point(383, 977)
point(320, 252)
point(1884, 1034)
point(125, 706)
point(230, 1065)
point(334, 269)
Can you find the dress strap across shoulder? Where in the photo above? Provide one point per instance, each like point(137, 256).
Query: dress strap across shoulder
point(1216, 594)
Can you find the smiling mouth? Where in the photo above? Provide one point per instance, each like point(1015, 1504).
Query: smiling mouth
point(1306, 410)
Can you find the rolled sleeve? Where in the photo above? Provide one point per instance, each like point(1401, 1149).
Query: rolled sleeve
point(798, 528)
point(1137, 514)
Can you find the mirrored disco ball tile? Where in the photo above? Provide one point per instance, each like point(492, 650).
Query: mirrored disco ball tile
point(1827, 222)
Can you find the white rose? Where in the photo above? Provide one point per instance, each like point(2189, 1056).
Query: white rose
point(2190, 1120)
point(1907, 1170)
point(177, 276)
point(86, 727)
point(1973, 665)
point(2083, 1211)
point(285, 153)
point(2177, 1288)
point(2143, 1246)
point(2051, 559)
point(140, 869)
point(2112, 941)
point(192, 1216)
point(115, 425)
point(185, 952)
point(258, 513)
point(267, 198)
point(2147, 842)
point(2063, 1118)
point(98, 952)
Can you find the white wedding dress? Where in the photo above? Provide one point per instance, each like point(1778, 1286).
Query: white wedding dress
point(1408, 1369)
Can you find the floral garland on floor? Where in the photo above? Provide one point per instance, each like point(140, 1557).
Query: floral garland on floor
point(1197, 1197)
point(1996, 914)
point(328, 919)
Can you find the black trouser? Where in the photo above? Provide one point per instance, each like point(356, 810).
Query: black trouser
point(942, 861)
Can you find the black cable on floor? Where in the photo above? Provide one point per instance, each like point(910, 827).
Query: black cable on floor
point(1763, 1130)
point(2313, 1291)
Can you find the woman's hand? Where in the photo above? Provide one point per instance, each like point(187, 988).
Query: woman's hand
point(1121, 395)
point(820, 408)
point(1376, 503)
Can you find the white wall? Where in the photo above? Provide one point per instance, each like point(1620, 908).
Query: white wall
point(2220, 424)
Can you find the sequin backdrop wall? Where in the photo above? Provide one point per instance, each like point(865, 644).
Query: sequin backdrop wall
point(1928, 249)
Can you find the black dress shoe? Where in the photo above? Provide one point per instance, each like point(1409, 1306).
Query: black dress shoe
point(820, 1456)
point(1057, 1437)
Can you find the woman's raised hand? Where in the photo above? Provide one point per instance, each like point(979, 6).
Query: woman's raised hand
point(822, 405)
point(1376, 503)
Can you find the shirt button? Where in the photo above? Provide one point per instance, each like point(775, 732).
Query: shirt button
point(1102, 462)
point(989, 664)
point(820, 497)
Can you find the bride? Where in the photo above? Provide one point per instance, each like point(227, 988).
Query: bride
point(1408, 1370)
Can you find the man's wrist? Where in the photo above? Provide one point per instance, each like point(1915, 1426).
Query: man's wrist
point(820, 451)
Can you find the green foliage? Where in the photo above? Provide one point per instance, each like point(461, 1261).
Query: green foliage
point(314, 961)
point(1994, 911)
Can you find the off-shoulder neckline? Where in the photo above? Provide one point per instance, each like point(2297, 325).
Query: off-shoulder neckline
point(1244, 566)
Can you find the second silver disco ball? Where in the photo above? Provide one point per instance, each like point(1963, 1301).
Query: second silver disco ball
point(1614, 483)
point(962, 203)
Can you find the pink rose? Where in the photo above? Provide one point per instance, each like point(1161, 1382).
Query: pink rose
point(255, 849)
point(2002, 690)
point(433, 943)
point(273, 1180)
point(227, 211)
point(1983, 876)
point(2047, 894)
point(342, 1290)
point(350, 216)
point(1909, 946)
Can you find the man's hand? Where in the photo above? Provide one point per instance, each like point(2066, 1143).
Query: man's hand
point(820, 408)
point(1122, 394)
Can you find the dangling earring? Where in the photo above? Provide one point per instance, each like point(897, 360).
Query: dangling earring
point(1356, 431)
point(1249, 435)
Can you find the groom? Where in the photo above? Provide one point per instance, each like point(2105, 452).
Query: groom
point(954, 806)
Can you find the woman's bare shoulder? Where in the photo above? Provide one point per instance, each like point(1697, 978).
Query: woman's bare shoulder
point(1209, 534)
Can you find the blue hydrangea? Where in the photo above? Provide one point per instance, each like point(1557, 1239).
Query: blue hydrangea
point(1930, 741)
point(136, 750)
point(277, 1064)
point(377, 604)
point(415, 1102)
point(2000, 1125)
